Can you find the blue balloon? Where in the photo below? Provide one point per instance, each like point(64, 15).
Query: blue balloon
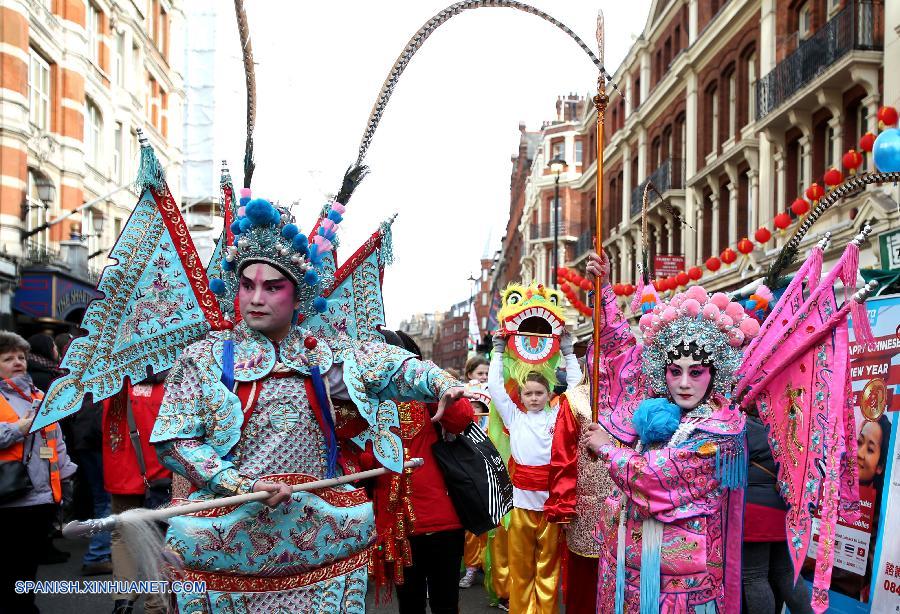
point(887, 151)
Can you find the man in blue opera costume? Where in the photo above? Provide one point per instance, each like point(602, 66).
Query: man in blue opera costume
point(273, 428)
point(247, 406)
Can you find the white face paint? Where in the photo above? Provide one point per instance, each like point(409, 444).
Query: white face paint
point(688, 380)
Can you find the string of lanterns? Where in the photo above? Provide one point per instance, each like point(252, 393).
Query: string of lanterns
point(569, 276)
point(885, 149)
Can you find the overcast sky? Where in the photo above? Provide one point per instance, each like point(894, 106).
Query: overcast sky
point(441, 156)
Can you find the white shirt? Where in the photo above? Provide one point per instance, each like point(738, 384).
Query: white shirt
point(530, 433)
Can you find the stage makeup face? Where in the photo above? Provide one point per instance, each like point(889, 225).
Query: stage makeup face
point(268, 300)
point(688, 381)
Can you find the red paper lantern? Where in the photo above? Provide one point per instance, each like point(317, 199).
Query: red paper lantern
point(762, 235)
point(815, 192)
point(833, 176)
point(618, 289)
point(799, 207)
point(695, 273)
point(887, 115)
point(782, 221)
point(682, 279)
point(658, 285)
point(867, 142)
point(713, 264)
point(852, 159)
point(562, 273)
point(671, 283)
point(728, 256)
point(585, 284)
point(745, 246)
point(629, 289)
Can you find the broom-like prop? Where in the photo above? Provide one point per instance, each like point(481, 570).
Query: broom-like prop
point(86, 528)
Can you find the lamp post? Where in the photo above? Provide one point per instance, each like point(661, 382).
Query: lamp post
point(557, 166)
point(97, 221)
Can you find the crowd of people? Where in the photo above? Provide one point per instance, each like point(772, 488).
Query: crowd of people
point(561, 494)
point(82, 467)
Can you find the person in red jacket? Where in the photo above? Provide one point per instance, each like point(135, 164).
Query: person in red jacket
point(426, 564)
point(133, 479)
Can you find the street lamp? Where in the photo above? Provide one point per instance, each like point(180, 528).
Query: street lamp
point(46, 191)
point(557, 166)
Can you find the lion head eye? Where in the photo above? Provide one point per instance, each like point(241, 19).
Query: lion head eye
point(554, 299)
point(513, 298)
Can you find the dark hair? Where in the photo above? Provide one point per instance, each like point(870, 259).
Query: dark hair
point(475, 362)
point(11, 342)
point(42, 345)
point(534, 376)
point(62, 341)
point(883, 452)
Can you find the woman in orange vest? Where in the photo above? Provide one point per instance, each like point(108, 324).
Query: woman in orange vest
point(26, 517)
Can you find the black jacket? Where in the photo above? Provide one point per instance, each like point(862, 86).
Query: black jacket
point(761, 486)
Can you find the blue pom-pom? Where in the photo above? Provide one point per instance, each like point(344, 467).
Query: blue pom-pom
point(259, 211)
point(320, 304)
point(217, 286)
point(300, 243)
point(289, 231)
point(244, 200)
point(314, 252)
point(335, 217)
point(244, 224)
point(311, 278)
point(276, 215)
point(228, 266)
point(236, 226)
point(655, 420)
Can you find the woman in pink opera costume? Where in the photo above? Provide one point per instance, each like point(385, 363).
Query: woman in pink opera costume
point(670, 531)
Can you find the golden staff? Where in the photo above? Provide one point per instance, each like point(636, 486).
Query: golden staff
point(600, 102)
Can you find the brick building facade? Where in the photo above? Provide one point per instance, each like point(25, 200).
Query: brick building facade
point(78, 77)
point(731, 109)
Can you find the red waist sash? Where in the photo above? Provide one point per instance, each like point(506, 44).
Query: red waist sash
point(529, 477)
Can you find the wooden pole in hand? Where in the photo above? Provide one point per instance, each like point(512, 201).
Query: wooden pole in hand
point(600, 101)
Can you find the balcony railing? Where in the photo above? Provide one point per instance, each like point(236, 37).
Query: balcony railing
point(585, 243)
point(859, 25)
point(668, 176)
point(36, 253)
point(545, 230)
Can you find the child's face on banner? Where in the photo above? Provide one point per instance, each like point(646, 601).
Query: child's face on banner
point(868, 452)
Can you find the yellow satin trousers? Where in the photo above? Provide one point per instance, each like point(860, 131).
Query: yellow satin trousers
point(473, 553)
point(533, 563)
point(499, 545)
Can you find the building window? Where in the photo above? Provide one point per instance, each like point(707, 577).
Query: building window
point(714, 119)
point(119, 68)
point(38, 91)
point(92, 132)
point(117, 153)
point(558, 150)
point(579, 151)
point(804, 22)
point(751, 89)
point(35, 211)
point(833, 7)
point(801, 168)
point(732, 105)
point(92, 29)
point(862, 121)
point(829, 146)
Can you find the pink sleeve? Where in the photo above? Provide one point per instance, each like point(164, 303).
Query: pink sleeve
point(670, 483)
point(620, 383)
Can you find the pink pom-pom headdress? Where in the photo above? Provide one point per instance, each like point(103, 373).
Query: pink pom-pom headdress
point(714, 328)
